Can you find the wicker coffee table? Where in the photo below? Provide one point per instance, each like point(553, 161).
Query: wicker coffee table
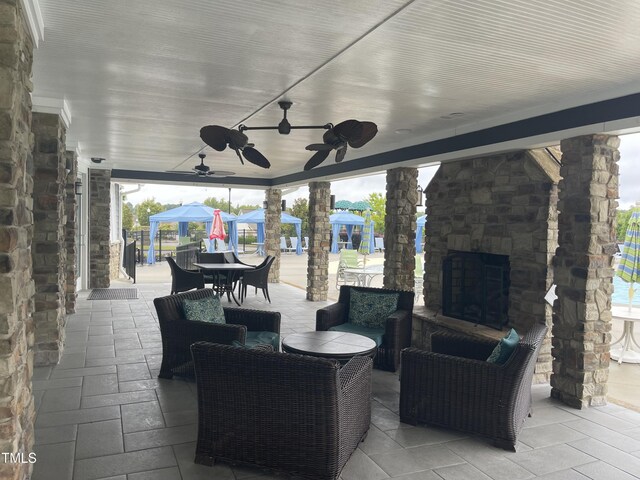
point(339, 345)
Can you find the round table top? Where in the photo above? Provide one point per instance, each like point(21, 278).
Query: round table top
point(339, 345)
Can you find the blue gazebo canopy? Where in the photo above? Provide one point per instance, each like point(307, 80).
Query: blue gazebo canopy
point(191, 212)
point(349, 220)
point(420, 223)
point(257, 217)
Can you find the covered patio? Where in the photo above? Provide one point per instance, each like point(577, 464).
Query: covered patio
point(103, 413)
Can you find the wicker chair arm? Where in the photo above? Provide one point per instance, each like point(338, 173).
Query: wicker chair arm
point(330, 316)
point(187, 332)
point(254, 320)
point(352, 375)
point(462, 346)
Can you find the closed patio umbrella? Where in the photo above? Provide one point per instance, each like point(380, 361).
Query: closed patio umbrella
point(629, 267)
point(217, 227)
point(365, 237)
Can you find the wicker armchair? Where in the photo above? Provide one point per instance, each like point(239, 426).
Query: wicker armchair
point(178, 333)
point(183, 280)
point(397, 332)
point(454, 386)
point(294, 414)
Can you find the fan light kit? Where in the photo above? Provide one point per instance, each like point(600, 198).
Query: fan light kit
point(350, 132)
point(203, 170)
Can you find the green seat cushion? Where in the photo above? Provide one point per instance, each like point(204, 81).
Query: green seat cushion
point(208, 309)
point(505, 348)
point(269, 338)
point(371, 309)
point(267, 347)
point(374, 334)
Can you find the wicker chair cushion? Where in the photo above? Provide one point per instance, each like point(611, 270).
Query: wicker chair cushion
point(374, 334)
point(263, 338)
point(371, 309)
point(505, 348)
point(208, 309)
point(259, 346)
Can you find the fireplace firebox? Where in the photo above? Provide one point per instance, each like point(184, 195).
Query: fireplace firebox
point(475, 287)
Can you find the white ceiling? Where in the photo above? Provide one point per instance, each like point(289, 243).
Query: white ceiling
point(142, 77)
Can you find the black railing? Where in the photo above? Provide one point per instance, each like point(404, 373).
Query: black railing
point(129, 260)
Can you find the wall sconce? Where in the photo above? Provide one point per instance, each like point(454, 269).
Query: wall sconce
point(332, 202)
point(265, 205)
point(420, 201)
point(284, 205)
point(77, 187)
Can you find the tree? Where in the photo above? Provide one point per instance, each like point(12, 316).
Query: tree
point(147, 208)
point(127, 216)
point(378, 203)
point(217, 203)
point(622, 223)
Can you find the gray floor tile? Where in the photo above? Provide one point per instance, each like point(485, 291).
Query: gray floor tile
point(551, 459)
point(423, 435)
point(137, 417)
point(435, 456)
point(424, 475)
point(41, 373)
point(53, 461)
point(360, 466)
point(83, 372)
point(137, 385)
point(398, 463)
point(99, 438)
point(37, 398)
point(461, 472)
point(100, 384)
point(61, 399)
point(58, 383)
point(134, 462)
point(186, 417)
point(133, 371)
point(378, 442)
point(547, 415)
point(61, 434)
point(609, 454)
point(53, 419)
point(118, 398)
point(100, 330)
point(172, 473)
point(190, 471)
point(160, 437)
point(72, 360)
point(603, 471)
point(546, 435)
point(618, 440)
point(101, 351)
point(602, 418)
point(564, 475)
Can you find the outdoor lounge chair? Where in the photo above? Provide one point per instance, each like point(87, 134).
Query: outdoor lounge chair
point(391, 338)
point(454, 386)
point(348, 259)
point(294, 414)
point(242, 325)
point(294, 244)
point(183, 280)
point(418, 274)
point(379, 243)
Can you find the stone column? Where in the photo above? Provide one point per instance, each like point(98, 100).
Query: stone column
point(583, 269)
point(48, 251)
point(70, 229)
point(99, 228)
point(16, 231)
point(272, 233)
point(319, 245)
point(400, 228)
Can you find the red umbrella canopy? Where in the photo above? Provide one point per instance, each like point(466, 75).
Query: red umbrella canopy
point(217, 228)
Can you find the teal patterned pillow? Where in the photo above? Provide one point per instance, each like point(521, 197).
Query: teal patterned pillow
point(371, 309)
point(206, 309)
point(505, 348)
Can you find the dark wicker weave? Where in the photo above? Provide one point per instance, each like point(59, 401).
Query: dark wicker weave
point(258, 278)
point(454, 386)
point(178, 333)
point(183, 280)
point(294, 414)
point(397, 330)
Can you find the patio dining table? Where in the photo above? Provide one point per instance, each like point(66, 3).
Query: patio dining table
point(365, 275)
point(234, 273)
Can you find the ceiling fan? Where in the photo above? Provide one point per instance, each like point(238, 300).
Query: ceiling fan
point(203, 170)
point(350, 132)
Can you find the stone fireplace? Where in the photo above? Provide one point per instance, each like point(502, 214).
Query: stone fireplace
point(500, 206)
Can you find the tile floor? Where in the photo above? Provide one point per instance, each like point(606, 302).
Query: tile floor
point(102, 413)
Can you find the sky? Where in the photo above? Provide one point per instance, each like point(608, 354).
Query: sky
point(360, 188)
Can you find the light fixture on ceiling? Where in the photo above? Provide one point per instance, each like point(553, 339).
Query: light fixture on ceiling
point(420, 199)
point(77, 187)
point(350, 132)
point(203, 170)
point(332, 202)
point(97, 159)
point(265, 205)
point(284, 205)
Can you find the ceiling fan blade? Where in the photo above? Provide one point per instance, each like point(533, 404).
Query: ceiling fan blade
point(180, 172)
point(220, 173)
point(318, 146)
point(349, 129)
point(214, 136)
point(340, 153)
point(369, 130)
point(237, 150)
point(236, 139)
point(254, 156)
point(316, 159)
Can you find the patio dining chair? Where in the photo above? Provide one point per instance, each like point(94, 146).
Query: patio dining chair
point(183, 280)
point(418, 273)
point(258, 278)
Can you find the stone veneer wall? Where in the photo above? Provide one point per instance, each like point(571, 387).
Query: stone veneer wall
point(272, 229)
point(583, 269)
point(49, 253)
point(99, 228)
point(319, 243)
point(114, 263)
point(505, 205)
point(16, 231)
point(400, 228)
point(70, 229)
